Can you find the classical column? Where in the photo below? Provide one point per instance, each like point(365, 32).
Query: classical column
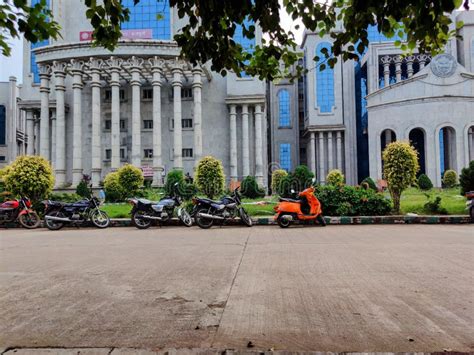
point(409, 61)
point(245, 141)
point(422, 60)
point(431, 157)
point(386, 69)
point(30, 132)
point(398, 67)
point(258, 144)
point(44, 116)
point(197, 110)
point(233, 143)
point(178, 143)
point(77, 143)
point(60, 151)
point(330, 151)
point(339, 150)
point(312, 152)
point(156, 65)
point(135, 68)
point(96, 166)
point(388, 137)
point(53, 139)
point(36, 121)
point(322, 176)
point(115, 67)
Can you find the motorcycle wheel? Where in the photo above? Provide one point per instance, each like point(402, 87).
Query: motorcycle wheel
point(202, 222)
point(29, 220)
point(54, 225)
point(283, 222)
point(245, 217)
point(140, 223)
point(185, 217)
point(100, 219)
point(321, 220)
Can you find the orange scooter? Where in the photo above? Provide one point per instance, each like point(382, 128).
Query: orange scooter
point(306, 208)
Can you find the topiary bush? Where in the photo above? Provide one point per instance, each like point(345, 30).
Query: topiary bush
point(370, 183)
point(303, 177)
point(335, 177)
point(400, 169)
point(250, 189)
point(30, 176)
point(173, 177)
point(130, 179)
point(209, 177)
point(424, 182)
point(450, 178)
point(113, 189)
point(466, 179)
point(352, 201)
point(277, 177)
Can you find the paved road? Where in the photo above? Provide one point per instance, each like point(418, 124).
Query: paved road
point(340, 288)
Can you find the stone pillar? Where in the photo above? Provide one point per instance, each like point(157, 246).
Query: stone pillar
point(386, 69)
point(77, 143)
point(431, 157)
point(339, 150)
point(330, 152)
point(96, 166)
point(409, 61)
point(322, 175)
point(30, 132)
point(245, 141)
point(115, 68)
point(197, 110)
point(258, 144)
point(422, 60)
point(470, 145)
point(60, 151)
point(312, 152)
point(156, 65)
point(375, 155)
point(53, 140)
point(398, 67)
point(135, 68)
point(12, 127)
point(178, 139)
point(233, 143)
point(44, 116)
point(37, 134)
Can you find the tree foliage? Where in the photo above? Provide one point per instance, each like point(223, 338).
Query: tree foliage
point(212, 24)
point(400, 168)
point(424, 182)
point(113, 190)
point(450, 178)
point(250, 189)
point(335, 177)
point(277, 177)
point(131, 179)
point(209, 177)
point(466, 179)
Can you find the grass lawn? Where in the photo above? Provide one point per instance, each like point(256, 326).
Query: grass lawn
point(412, 201)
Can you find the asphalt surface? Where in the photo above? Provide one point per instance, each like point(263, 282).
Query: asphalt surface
point(340, 288)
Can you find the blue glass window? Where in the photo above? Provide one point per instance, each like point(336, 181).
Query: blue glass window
point(2, 124)
point(33, 66)
point(144, 16)
point(248, 44)
point(324, 81)
point(284, 108)
point(285, 156)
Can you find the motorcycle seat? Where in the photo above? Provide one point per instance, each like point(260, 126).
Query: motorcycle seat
point(211, 202)
point(284, 199)
point(56, 203)
point(144, 201)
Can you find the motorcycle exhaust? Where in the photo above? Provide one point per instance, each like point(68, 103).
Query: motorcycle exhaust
point(58, 219)
point(287, 217)
point(152, 217)
point(210, 216)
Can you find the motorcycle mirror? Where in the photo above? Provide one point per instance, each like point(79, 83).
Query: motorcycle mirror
point(293, 191)
point(313, 180)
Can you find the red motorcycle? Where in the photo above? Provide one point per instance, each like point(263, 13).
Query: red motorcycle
point(19, 210)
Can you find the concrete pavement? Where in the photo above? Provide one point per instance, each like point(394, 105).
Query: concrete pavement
point(340, 288)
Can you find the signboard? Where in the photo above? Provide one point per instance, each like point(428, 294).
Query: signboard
point(147, 171)
point(86, 36)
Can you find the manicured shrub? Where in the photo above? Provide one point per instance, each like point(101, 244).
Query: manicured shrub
point(335, 177)
point(466, 179)
point(277, 177)
point(30, 176)
point(351, 201)
point(130, 179)
point(424, 182)
point(450, 178)
point(173, 177)
point(250, 189)
point(370, 183)
point(113, 189)
point(209, 177)
point(303, 177)
point(82, 188)
point(400, 168)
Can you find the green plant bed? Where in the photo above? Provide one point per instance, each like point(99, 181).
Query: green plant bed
point(118, 210)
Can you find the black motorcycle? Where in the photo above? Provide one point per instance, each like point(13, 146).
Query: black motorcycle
point(206, 211)
point(57, 214)
point(144, 212)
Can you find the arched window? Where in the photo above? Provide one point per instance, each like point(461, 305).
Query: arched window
point(324, 81)
point(2, 124)
point(284, 108)
point(143, 16)
point(285, 156)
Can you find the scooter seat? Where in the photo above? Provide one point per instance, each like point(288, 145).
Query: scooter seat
point(283, 199)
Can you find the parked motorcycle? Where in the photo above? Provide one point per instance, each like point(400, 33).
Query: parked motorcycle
point(206, 211)
point(57, 214)
point(19, 210)
point(470, 204)
point(306, 208)
point(144, 212)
